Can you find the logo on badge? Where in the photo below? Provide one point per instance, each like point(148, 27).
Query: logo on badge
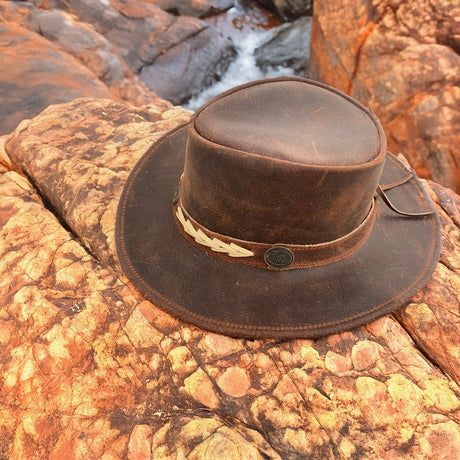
point(279, 257)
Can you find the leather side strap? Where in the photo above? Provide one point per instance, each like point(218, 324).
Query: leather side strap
point(381, 192)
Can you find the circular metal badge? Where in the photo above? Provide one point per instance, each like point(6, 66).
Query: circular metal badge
point(279, 257)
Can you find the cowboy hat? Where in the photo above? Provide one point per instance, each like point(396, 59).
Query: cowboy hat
point(277, 212)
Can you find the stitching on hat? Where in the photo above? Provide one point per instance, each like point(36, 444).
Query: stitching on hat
point(214, 244)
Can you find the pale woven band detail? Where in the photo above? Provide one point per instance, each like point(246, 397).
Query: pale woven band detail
point(214, 244)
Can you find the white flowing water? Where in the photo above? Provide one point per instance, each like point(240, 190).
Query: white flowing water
point(247, 35)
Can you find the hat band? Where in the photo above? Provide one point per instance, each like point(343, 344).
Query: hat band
point(279, 256)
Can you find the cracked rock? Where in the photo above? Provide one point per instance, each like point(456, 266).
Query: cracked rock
point(91, 369)
point(401, 60)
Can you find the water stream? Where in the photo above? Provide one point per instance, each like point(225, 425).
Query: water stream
point(249, 27)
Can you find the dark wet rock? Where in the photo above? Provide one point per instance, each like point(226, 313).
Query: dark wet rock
point(288, 9)
point(188, 68)
point(289, 46)
point(197, 8)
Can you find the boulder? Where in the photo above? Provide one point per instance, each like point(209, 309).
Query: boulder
point(82, 42)
point(199, 9)
point(189, 67)
point(36, 73)
point(288, 9)
point(400, 59)
point(91, 369)
point(287, 47)
point(176, 56)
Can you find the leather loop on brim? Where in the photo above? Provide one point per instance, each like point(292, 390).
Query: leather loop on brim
point(255, 254)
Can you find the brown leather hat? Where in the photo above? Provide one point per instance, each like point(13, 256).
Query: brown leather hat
point(277, 212)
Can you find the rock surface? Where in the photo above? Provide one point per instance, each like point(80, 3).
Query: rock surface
point(400, 59)
point(190, 66)
point(82, 42)
point(34, 74)
point(197, 8)
point(288, 9)
point(287, 47)
point(55, 51)
point(176, 56)
point(90, 369)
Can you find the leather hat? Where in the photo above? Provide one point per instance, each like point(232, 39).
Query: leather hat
point(277, 212)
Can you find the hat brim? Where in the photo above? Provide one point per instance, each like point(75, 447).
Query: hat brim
point(239, 300)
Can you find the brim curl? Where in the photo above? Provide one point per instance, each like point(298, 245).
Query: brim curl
point(242, 301)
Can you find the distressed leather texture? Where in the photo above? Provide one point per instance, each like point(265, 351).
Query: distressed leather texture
point(271, 193)
point(269, 198)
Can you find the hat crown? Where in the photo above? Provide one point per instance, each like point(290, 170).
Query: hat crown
point(282, 161)
point(291, 120)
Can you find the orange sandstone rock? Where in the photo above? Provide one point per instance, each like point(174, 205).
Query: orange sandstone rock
point(35, 73)
point(90, 369)
point(400, 58)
